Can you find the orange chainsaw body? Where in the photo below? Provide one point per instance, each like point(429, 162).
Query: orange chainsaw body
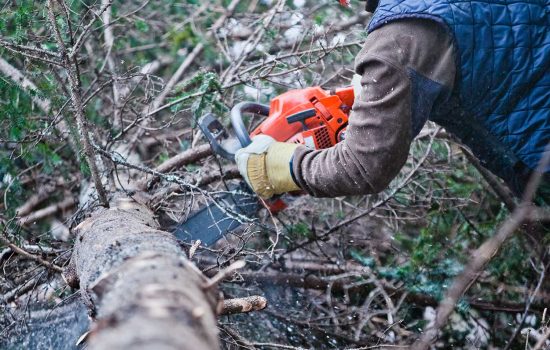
point(312, 116)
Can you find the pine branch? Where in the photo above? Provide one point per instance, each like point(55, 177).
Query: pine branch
point(25, 84)
point(71, 66)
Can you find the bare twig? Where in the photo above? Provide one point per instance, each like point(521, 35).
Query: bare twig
point(542, 341)
point(30, 256)
point(197, 50)
point(250, 45)
point(190, 156)
point(502, 192)
point(527, 307)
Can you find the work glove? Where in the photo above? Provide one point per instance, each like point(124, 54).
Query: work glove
point(265, 166)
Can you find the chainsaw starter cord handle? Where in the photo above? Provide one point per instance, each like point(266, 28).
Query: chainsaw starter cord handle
point(237, 119)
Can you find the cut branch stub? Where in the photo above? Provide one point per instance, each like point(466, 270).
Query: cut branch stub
point(138, 284)
point(246, 304)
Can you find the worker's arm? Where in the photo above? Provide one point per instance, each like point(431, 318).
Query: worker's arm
point(405, 67)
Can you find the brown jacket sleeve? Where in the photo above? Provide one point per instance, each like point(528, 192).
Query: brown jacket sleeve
point(380, 125)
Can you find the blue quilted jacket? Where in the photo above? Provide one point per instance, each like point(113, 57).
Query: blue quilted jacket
point(500, 105)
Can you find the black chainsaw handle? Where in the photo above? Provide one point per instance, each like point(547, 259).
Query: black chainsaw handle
point(219, 138)
point(215, 134)
point(237, 119)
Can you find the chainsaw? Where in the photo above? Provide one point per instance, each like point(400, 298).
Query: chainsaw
point(313, 117)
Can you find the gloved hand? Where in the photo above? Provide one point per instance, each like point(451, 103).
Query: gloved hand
point(265, 166)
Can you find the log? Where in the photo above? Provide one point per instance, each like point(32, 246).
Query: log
point(138, 285)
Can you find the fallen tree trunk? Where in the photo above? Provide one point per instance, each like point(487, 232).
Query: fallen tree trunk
point(140, 288)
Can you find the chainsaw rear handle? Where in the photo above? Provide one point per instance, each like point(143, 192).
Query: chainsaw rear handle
point(237, 119)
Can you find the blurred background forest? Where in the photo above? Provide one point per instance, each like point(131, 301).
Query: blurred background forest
point(130, 78)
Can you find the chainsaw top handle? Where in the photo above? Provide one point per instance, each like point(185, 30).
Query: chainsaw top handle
point(237, 119)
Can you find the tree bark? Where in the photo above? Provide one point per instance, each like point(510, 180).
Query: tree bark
point(139, 286)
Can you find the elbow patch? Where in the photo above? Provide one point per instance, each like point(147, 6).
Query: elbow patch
point(424, 94)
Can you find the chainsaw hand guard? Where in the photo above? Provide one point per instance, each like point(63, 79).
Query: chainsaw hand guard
point(217, 136)
point(220, 140)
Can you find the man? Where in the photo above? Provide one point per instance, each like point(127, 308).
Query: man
point(481, 69)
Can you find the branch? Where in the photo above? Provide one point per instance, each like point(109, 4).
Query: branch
point(80, 40)
point(250, 45)
point(342, 285)
point(32, 52)
point(25, 84)
point(30, 256)
point(501, 190)
point(241, 305)
point(189, 156)
point(47, 211)
point(159, 99)
point(71, 66)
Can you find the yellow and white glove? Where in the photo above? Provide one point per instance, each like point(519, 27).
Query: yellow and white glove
point(265, 166)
